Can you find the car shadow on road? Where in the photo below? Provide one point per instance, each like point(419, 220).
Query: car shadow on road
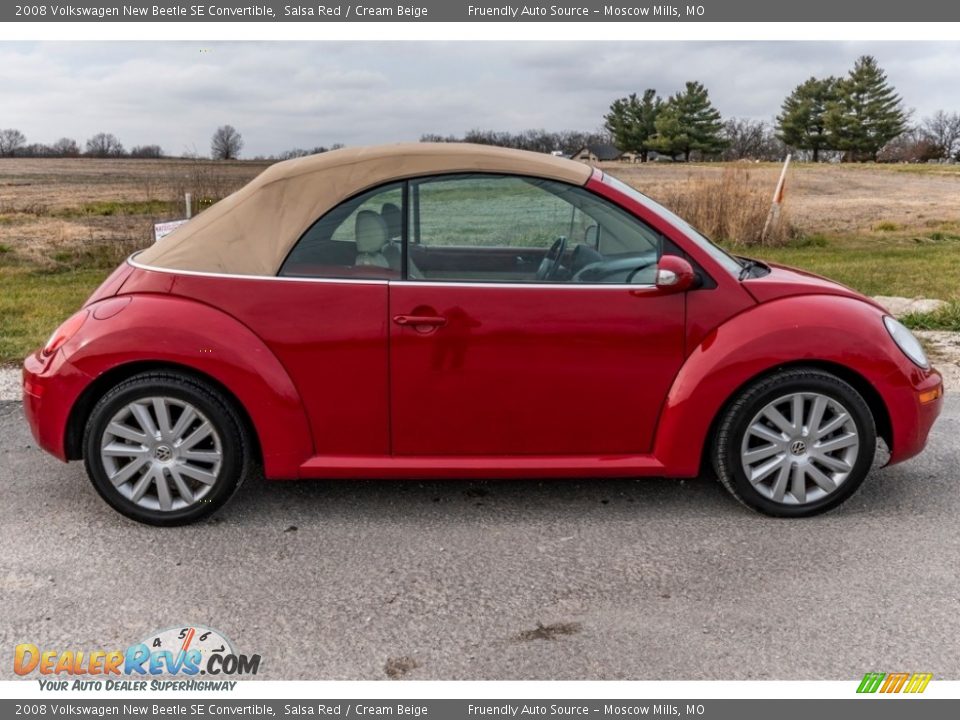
point(885, 492)
point(547, 499)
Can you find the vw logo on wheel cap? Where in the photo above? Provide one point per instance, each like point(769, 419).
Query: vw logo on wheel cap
point(799, 447)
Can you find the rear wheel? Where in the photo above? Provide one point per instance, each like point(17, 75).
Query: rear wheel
point(796, 443)
point(165, 449)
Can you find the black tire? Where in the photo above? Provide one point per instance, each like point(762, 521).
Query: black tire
point(744, 407)
point(238, 459)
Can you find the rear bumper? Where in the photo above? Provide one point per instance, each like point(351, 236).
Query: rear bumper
point(914, 408)
point(51, 387)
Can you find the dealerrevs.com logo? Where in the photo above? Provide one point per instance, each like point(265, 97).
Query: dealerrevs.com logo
point(182, 651)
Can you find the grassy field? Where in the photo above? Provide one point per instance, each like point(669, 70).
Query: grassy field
point(33, 304)
point(64, 224)
point(902, 266)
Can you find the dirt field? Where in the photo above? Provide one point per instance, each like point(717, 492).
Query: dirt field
point(52, 206)
point(70, 182)
point(832, 199)
point(49, 205)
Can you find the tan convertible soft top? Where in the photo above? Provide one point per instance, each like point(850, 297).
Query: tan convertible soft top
point(251, 231)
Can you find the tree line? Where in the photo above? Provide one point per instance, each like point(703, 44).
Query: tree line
point(858, 117)
point(13, 143)
point(565, 141)
point(225, 144)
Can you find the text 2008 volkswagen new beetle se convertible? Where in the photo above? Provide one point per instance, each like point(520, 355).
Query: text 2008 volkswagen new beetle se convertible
point(428, 311)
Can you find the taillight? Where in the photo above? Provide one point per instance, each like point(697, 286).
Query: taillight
point(63, 333)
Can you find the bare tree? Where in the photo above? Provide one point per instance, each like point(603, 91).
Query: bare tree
point(65, 147)
point(568, 141)
point(35, 150)
point(103, 145)
point(943, 131)
point(147, 151)
point(745, 138)
point(751, 140)
point(437, 138)
point(914, 145)
point(303, 152)
point(11, 140)
point(226, 143)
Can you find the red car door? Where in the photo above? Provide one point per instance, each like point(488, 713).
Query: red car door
point(530, 370)
point(528, 324)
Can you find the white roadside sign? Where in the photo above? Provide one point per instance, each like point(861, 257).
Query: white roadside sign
point(161, 230)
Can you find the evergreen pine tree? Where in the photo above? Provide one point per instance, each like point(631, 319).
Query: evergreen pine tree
point(802, 122)
point(688, 122)
point(867, 113)
point(631, 122)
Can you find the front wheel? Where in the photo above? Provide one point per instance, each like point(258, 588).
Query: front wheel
point(164, 448)
point(796, 443)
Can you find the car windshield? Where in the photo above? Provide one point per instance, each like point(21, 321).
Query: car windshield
point(732, 264)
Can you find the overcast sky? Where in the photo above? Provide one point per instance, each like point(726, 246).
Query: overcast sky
point(281, 95)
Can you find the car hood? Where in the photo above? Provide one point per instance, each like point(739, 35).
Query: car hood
point(783, 281)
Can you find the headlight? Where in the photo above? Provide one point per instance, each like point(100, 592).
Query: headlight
point(905, 340)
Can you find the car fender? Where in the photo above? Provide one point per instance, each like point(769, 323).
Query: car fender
point(821, 329)
point(166, 329)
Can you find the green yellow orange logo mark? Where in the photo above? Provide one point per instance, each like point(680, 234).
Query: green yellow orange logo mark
point(894, 682)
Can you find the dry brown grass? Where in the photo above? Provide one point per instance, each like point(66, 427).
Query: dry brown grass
point(825, 199)
point(52, 210)
point(62, 183)
point(729, 207)
point(47, 204)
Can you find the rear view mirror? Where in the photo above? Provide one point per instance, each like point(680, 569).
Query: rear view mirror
point(674, 274)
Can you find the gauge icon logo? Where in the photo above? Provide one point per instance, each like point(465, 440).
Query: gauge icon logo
point(190, 638)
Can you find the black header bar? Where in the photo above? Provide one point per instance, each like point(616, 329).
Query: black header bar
point(460, 11)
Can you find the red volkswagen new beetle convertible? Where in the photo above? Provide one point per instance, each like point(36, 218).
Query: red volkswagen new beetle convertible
point(427, 311)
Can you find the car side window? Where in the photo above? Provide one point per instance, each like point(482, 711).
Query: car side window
point(504, 228)
point(360, 238)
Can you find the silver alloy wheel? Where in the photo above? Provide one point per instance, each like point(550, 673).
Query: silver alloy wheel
point(800, 448)
point(161, 453)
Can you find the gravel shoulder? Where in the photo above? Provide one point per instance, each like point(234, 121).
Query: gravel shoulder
point(944, 350)
point(9, 383)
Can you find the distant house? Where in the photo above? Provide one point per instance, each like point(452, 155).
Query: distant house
point(607, 153)
point(600, 152)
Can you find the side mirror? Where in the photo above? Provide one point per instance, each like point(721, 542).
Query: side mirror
point(674, 274)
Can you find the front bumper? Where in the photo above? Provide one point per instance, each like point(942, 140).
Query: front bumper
point(51, 387)
point(914, 407)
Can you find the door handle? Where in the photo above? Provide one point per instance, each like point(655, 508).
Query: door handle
point(420, 320)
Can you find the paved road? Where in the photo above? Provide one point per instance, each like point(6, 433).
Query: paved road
point(653, 579)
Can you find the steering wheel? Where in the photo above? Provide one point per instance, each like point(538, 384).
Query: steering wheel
point(632, 277)
point(551, 261)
